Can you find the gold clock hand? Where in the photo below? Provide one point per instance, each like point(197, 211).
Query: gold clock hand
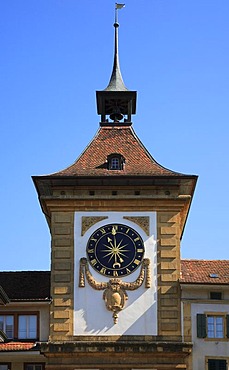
point(116, 250)
point(113, 231)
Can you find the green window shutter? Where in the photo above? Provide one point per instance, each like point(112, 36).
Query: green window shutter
point(227, 326)
point(201, 325)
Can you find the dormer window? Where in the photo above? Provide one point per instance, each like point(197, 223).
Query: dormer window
point(115, 162)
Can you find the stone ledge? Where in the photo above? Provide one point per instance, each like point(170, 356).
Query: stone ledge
point(131, 347)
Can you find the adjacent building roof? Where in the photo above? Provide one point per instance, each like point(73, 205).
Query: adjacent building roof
point(205, 271)
point(35, 285)
point(26, 285)
point(17, 346)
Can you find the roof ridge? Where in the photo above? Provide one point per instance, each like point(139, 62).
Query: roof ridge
point(150, 155)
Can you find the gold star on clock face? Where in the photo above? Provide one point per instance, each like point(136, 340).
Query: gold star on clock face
point(115, 250)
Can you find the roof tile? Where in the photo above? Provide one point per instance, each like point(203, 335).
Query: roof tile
point(120, 140)
point(16, 346)
point(26, 285)
point(205, 271)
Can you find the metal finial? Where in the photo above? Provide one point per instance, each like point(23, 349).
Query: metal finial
point(116, 82)
point(118, 6)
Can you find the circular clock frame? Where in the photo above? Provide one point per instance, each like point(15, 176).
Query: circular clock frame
point(115, 250)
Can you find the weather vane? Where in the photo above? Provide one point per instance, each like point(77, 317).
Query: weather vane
point(117, 7)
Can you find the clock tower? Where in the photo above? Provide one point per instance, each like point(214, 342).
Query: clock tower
point(116, 218)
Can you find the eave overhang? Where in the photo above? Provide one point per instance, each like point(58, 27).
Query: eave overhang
point(46, 184)
point(32, 300)
point(4, 299)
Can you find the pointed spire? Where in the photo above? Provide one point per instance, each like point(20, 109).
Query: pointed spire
point(116, 103)
point(116, 81)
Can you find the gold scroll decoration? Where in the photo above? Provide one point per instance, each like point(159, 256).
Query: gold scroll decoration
point(114, 294)
point(142, 221)
point(88, 222)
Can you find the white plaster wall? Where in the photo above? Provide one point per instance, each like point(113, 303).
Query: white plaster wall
point(207, 348)
point(196, 293)
point(139, 316)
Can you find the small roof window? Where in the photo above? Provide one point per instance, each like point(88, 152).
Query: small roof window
point(115, 161)
point(213, 275)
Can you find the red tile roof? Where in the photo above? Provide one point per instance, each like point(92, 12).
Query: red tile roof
point(26, 285)
point(205, 271)
point(35, 285)
point(120, 140)
point(16, 346)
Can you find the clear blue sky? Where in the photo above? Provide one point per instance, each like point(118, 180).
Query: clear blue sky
point(56, 53)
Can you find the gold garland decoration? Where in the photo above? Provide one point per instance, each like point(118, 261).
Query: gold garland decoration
point(114, 294)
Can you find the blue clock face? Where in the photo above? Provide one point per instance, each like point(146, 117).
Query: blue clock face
point(115, 250)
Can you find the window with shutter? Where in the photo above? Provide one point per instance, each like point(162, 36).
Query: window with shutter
point(212, 326)
point(217, 364)
point(215, 326)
